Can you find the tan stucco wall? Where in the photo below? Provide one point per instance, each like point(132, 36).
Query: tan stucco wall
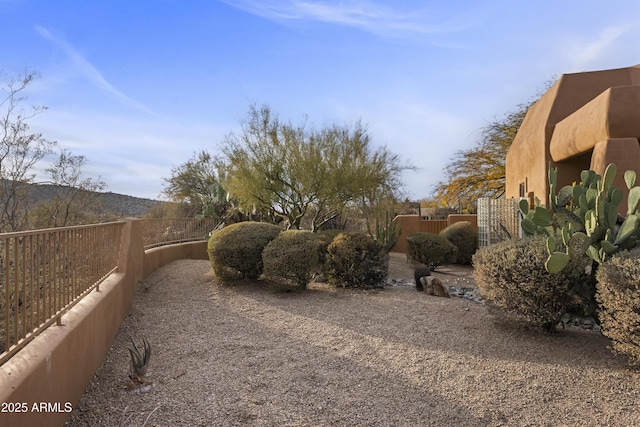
point(625, 153)
point(615, 113)
point(59, 363)
point(528, 158)
point(157, 257)
point(472, 218)
point(410, 224)
point(565, 125)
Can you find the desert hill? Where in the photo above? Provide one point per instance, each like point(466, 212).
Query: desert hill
point(120, 205)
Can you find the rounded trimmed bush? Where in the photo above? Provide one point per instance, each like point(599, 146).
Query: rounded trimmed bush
point(356, 260)
point(619, 298)
point(431, 249)
point(325, 237)
point(293, 256)
point(235, 251)
point(512, 277)
point(465, 237)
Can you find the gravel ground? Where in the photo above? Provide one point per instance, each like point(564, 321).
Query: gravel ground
point(255, 356)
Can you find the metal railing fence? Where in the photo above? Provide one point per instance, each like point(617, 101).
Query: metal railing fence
point(164, 231)
point(43, 273)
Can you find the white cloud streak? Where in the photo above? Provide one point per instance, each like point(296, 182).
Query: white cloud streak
point(591, 52)
point(365, 15)
point(91, 73)
point(130, 154)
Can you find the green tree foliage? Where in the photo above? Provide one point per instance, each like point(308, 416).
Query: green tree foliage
point(293, 172)
point(195, 182)
point(480, 171)
point(20, 150)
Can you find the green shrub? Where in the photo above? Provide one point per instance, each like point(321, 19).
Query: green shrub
point(235, 251)
point(512, 277)
point(431, 249)
point(464, 237)
point(293, 256)
point(619, 298)
point(356, 260)
point(325, 237)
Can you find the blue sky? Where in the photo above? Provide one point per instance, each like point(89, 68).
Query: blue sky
point(139, 86)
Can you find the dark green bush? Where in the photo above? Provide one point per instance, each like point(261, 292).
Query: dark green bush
point(512, 277)
point(619, 298)
point(325, 237)
point(293, 256)
point(431, 249)
point(235, 251)
point(356, 260)
point(464, 237)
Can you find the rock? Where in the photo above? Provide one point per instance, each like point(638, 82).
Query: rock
point(418, 274)
point(433, 286)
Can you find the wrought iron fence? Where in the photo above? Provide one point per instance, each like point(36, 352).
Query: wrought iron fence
point(163, 231)
point(43, 273)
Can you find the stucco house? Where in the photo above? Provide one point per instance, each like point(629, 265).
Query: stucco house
point(584, 121)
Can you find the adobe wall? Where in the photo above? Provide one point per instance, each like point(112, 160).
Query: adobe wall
point(473, 219)
point(410, 224)
point(550, 124)
point(58, 364)
point(612, 114)
point(625, 153)
point(528, 156)
point(157, 257)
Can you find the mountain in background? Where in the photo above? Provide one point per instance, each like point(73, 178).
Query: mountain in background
point(120, 205)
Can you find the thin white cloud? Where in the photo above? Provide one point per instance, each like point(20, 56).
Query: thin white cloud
point(362, 14)
point(590, 52)
point(130, 154)
point(91, 73)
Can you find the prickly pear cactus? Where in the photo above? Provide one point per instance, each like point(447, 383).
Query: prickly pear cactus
point(584, 217)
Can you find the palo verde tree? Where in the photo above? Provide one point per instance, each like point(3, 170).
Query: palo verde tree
point(191, 182)
point(20, 150)
point(293, 172)
point(196, 186)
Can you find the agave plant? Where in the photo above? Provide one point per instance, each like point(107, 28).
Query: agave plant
point(139, 359)
point(126, 421)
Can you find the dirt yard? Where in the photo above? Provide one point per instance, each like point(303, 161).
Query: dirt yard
point(253, 356)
